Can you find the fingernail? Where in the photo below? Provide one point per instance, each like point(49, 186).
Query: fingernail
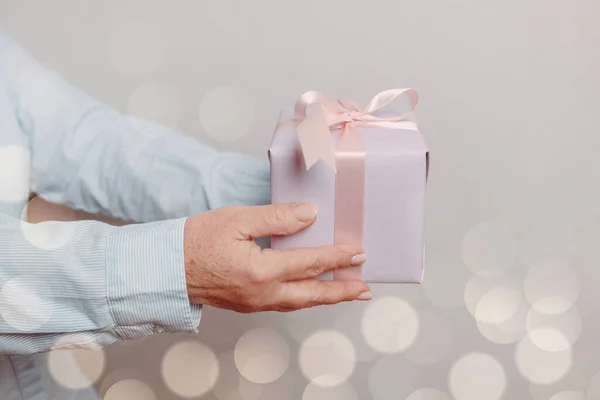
point(359, 259)
point(365, 296)
point(305, 211)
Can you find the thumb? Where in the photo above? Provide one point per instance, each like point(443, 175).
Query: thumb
point(278, 219)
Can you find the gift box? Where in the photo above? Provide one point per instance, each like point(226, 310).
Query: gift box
point(366, 170)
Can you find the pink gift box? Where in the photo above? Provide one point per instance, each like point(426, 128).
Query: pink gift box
point(396, 163)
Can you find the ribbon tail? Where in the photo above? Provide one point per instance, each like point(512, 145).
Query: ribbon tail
point(315, 140)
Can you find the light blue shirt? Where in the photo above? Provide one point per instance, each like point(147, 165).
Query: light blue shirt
point(87, 283)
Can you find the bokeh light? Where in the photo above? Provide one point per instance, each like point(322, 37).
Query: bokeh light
point(568, 395)
point(346, 321)
point(509, 331)
point(554, 332)
point(393, 377)
point(249, 390)
point(390, 324)
point(15, 164)
point(477, 376)
point(48, 235)
point(593, 388)
point(327, 357)
point(343, 391)
point(444, 283)
point(498, 305)
point(118, 375)
point(229, 383)
point(81, 340)
point(76, 368)
point(130, 389)
point(226, 114)
point(576, 380)
point(539, 366)
point(428, 394)
point(493, 300)
point(190, 369)
point(262, 355)
point(489, 248)
point(549, 339)
point(299, 323)
point(434, 340)
point(552, 287)
point(42, 224)
point(284, 388)
point(40, 210)
point(25, 303)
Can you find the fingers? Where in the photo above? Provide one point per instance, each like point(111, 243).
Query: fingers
point(296, 264)
point(313, 292)
point(277, 219)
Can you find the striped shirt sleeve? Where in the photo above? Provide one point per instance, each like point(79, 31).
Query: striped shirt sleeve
point(87, 283)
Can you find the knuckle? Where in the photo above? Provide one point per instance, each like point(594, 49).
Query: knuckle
point(255, 276)
point(262, 276)
point(340, 294)
point(317, 264)
point(345, 253)
point(253, 272)
point(315, 300)
point(277, 216)
point(343, 256)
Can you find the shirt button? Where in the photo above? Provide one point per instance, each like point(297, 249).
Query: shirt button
point(158, 329)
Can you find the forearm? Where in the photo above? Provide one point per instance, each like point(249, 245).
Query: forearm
point(88, 283)
point(143, 172)
point(93, 158)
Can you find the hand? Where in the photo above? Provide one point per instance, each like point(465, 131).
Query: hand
point(226, 269)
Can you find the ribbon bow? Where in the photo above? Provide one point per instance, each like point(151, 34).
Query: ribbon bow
point(314, 129)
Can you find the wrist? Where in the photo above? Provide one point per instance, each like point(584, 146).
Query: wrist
point(188, 260)
point(146, 279)
point(191, 261)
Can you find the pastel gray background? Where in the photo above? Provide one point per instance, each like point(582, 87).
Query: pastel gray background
point(510, 114)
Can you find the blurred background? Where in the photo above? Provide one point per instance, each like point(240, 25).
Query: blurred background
point(510, 105)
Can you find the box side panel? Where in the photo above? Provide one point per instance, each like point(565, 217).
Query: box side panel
point(394, 207)
point(290, 182)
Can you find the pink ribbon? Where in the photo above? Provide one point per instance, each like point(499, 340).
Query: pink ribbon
point(348, 158)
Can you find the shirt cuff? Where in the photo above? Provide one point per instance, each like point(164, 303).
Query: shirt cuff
point(146, 282)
